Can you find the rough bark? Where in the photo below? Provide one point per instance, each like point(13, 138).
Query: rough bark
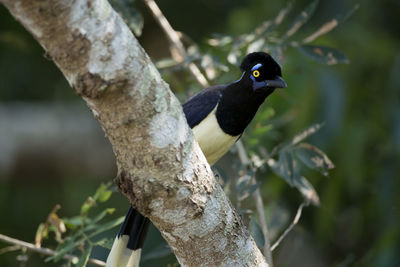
point(161, 169)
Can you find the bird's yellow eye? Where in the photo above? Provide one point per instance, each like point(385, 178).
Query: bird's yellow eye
point(256, 73)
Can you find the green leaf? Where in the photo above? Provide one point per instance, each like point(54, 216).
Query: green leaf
point(207, 63)
point(233, 56)
point(135, 21)
point(91, 223)
point(343, 17)
point(102, 214)
point(84, 258)
point(278, 19)
point(301, 19)
point(245, 193)
point(130, 14)
point(79, 238)
point(286, 167)
point(297, 138)
point(283, 167)
point(261, 130)
point(64, 248)
point(265, 114)
point(258, 34)
point(41, 233)
point(256, 233)
point(313, 158)
point(107, 226)
point(305, 133)
point(242, 183)
point(105, 196)
point(73, 222)
point(323, 54)
point(253, 187)
point(253, 142)
point(105, 243)
point(307, 190)
point(328, 26)
point(89, 203)
point(257, 45)
point(103, 193)
point(220, 40)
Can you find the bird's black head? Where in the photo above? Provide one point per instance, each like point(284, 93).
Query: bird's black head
point(263, 70)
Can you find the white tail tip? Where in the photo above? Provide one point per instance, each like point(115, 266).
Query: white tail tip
point(121, 256)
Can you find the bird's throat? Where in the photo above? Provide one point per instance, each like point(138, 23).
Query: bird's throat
point(237, 108)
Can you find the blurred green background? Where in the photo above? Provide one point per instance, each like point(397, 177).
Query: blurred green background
point(53, 151)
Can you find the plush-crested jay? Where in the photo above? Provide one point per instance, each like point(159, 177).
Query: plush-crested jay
point(218, 115)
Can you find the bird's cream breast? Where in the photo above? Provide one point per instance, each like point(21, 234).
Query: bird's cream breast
point(212, 140)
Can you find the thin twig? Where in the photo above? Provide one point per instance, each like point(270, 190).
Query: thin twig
point(244, 159)
point(45, 251)
point(263, 224)
point(295, 221)
point(9, 249)
point(327, 27)
point(175, 40)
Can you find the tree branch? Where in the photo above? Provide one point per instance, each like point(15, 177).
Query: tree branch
point(45, 251)
point(293, 224)
point(263, 223)
point(175, 41)
point(161, 168)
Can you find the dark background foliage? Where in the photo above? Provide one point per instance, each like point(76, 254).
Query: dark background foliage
point(52, 150)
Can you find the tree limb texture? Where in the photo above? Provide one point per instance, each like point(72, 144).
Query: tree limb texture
point(161, 168)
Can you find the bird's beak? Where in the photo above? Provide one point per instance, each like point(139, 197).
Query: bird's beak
point(278, 82)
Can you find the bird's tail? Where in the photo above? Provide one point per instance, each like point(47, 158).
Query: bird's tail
point(127, 246)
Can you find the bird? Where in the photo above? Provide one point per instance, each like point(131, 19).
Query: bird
point(218, 116)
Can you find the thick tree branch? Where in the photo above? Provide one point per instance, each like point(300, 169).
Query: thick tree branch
point(161, 168)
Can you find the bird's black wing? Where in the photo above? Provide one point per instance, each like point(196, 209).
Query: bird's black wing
point(197, 107)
